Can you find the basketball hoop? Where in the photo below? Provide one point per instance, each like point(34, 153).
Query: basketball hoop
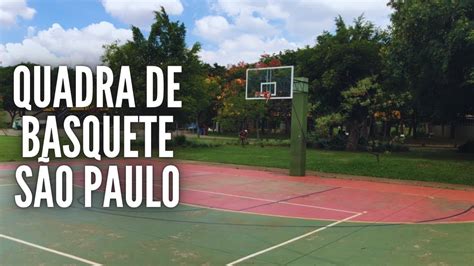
point(269, 83)
point(264, 94)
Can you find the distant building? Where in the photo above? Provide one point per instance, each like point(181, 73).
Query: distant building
point(461, 130)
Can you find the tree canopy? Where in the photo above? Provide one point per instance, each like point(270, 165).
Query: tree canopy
point(363, 79)
point(431, 54)
point(164, 46)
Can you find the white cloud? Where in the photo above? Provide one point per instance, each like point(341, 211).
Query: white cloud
point(212, 27)
point(291, 22)
point(140, 12)
point(30, 31)
point(218, 28)
point(311, 18)
point(10, 10)
point(301, 18)
point(247, 48)
point(59, 46)
point(247, 23)
point(269, 9)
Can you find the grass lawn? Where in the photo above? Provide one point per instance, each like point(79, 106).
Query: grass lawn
point(435, 165)
point(431, 165)
point(5, 121)
point(10, 149)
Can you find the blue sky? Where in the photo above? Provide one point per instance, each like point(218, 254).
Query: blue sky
point(73, 32)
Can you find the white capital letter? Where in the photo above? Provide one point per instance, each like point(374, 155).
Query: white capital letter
point(172, 87)
point(151, 71)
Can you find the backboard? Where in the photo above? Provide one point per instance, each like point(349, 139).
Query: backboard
point(278, 81)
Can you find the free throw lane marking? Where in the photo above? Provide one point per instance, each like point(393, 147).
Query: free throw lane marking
point(292, 240)
point(49, 250)
point(15, 184)
point(271, 201)
point(7, 185)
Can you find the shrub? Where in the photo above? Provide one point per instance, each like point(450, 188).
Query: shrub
point(337, 143)
point(363, 144)
point(467, 147)
point(275, 142)
point(388, 147)
point(398, 148)
point(180, 140)
point(312, 139)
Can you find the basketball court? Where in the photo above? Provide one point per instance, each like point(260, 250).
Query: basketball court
point(232, 215)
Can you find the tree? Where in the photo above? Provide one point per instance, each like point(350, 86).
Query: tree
point(234, 111)
point(343, 69)
point(277, 111)
point(339, 60)
point(356, 108)
point(165, 46)
point(431, 53)
point(6, 92)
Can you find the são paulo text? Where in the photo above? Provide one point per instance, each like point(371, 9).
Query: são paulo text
point(61, 191)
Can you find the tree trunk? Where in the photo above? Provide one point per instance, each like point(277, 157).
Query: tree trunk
point(414, 126)
point(287, 125)
point(364, 130)
point(257, 127)
point(414, 131)
point(452, 133)
point(197, 126)
point(384, 137)
point(372, 129)
point(354, 135)
point(12, 117)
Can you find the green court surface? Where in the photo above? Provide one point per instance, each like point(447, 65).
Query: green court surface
point(189, 235)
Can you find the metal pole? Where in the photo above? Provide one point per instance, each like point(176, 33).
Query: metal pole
point(299, 111)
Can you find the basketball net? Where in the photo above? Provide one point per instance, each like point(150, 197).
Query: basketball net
point(264, 94)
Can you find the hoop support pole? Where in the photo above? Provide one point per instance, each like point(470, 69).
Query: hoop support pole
point(299, 113)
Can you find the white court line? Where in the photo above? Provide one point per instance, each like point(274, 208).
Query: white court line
point(15, 184)
point(292, 240)
point(7, 185)
point(267, 200)
point(49, 250)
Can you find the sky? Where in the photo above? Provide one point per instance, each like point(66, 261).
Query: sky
point(73, 32)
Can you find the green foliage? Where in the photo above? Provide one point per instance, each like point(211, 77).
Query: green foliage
point(326, 122)
point(164, 46)
point(344, 69)
point(336, 143)
point(274, 142)
point(380, 146)
point(356, 106)
point(182, 141)
point(339, 60)
point(431, 53)
point(359, 100)
point(234, 111)
point(6, 93)
point(179, 140)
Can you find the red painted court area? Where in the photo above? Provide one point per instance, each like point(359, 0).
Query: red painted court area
point(312, 197)
point(232, 188)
